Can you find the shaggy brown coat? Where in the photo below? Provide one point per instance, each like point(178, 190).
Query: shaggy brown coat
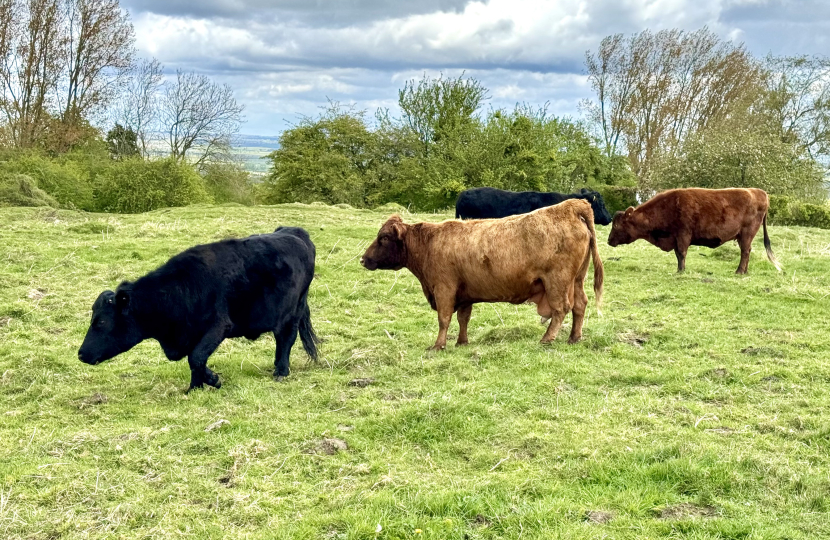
point(540, 257)
point(678, 218)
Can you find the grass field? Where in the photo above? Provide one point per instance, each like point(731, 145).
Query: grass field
point(695, 407)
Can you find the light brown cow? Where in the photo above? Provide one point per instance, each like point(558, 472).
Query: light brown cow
point(540, 257)
point(678, 218)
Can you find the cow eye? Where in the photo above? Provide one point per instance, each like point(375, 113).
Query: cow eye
point(101, 322)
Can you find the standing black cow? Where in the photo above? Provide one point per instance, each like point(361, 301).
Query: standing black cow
point(490, 203)
point(233, 288)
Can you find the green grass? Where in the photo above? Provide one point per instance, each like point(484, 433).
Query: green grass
point(695, 407)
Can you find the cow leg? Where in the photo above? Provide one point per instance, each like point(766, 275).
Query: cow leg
point(680, 249)
point(463, 316)
point(200, 374)
point(445, 305)
point(580, 302)
point(745, 243)
point(559, 307)
point(285, 339)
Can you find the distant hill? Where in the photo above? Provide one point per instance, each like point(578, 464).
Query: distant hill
point(256, 141)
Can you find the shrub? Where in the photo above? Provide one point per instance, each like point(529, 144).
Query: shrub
point(135, 185)
point(228, 183)
point(788, 211)
point(726, 157)
point(21, 190)
point(67, 182)
point(617, 198)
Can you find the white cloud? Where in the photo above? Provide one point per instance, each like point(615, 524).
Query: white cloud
point(282, 58)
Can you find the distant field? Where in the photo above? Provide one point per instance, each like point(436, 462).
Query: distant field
point(248, 150)
point(696, 406)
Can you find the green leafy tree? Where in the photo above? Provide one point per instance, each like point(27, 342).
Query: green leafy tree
point(440, 109)
point(122, 142)
point(735, 156)
point(323, 159)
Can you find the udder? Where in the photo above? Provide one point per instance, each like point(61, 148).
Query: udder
point(539, 298)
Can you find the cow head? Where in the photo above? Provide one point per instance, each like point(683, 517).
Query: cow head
point(113, 329)
point(622, 229)
point(388, 251)
point(601, 215)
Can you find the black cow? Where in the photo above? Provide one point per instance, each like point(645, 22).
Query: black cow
point(233, 288)
point(490, 203)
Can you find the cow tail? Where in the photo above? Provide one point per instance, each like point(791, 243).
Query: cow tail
point(307, 335)
point(768, 247)
point(599, 272)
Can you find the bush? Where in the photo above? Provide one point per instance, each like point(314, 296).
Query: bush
point(228, 183)
point(788, 211)
point(135, 185)
point(726, 157)
point(67, 182)
point(21, 190)
point(617, 198)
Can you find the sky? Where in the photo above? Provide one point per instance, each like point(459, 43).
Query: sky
point(287, 58)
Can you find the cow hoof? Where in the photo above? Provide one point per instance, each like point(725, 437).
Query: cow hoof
point(279, 378)
point(572, 341)
point(462, 343)
point(213, 380)
point(436, 348)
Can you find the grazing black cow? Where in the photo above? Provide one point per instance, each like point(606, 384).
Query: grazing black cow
point(492, 203)
point(233, 288)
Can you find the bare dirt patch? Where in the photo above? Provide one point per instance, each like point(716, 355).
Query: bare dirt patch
point(598, 517)
point(634, 339)
point(95, 399)
point(328, 447)
point(763, 351)
point(686, 511)
point(717, 373)
point(361, 382)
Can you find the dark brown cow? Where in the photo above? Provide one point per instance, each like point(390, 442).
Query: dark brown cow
point(679, 218)
point(540, 257)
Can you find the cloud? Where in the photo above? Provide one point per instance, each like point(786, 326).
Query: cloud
point(287, 57)
point(305, 12)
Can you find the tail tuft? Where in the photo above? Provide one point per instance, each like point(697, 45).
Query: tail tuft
point(599, 272)
point(307, 335)
point(768, 247)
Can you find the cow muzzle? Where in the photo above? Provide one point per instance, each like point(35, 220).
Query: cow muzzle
point(87, 358)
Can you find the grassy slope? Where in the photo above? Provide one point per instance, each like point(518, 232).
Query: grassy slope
point(696, 406)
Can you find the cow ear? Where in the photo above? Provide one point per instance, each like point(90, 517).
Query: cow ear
point(399, 229)
point(122, 300)
point(629, 211)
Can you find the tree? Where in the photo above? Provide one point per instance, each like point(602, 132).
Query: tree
point(99, 52)
point(797, 102)
point(325, 159)
point(736, 154)
point(59, 59)
point(439, 108)
point(139, 101)
point(654, 90)
point(122, 142)
point(31, 43)
point(198, 113)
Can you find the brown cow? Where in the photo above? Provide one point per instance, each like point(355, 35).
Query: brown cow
point(678, 218)
point(540, 257)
